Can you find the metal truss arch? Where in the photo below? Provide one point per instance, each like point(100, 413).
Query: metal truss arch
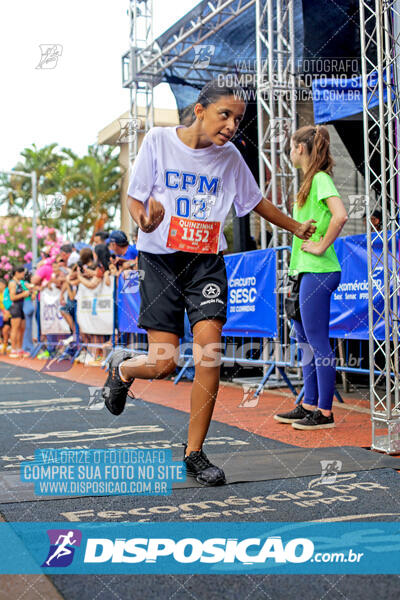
point(380, 44)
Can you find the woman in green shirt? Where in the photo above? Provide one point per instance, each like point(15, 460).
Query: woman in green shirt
point(316, 263)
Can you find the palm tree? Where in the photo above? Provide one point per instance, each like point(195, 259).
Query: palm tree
point(92, 188)
point(91, 185)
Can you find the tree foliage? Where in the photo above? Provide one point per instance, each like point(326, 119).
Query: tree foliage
point(90, 184)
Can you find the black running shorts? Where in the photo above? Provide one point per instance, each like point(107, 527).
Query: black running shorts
point(171, 283)
point(17, 310)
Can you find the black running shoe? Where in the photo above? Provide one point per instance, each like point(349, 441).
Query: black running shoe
point(115, 390)
point(199, 467)
point(316, 420)
point(294, 415)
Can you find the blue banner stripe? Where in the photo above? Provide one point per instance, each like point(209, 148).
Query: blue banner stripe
point(252, 300)
point(213, 548)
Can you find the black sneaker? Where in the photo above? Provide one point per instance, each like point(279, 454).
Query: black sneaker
point(294, 415)
point(199, 467)
point(316, 420)
point(115, 390)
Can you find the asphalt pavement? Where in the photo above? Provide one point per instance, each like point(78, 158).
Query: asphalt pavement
point(40, 410)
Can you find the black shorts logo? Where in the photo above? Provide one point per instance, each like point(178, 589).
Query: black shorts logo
point(211, 290)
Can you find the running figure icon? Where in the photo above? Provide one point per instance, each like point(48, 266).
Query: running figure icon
point(62, 549)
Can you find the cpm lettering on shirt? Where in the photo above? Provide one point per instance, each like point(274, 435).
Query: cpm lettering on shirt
point(184, 181)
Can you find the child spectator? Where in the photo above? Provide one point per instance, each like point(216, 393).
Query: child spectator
point(92, 278)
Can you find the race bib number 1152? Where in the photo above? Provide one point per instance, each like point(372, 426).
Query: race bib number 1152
point(190, 235)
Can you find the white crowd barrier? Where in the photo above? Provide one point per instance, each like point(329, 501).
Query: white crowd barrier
point(95, 309)
point(51, 320)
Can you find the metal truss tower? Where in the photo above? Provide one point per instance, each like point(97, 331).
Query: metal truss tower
point(174, 56)
point(276, 115)
point(140, 85)
point(276, 104)
point(380, 46)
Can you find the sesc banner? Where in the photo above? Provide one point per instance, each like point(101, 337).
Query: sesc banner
point(251, 299)
point(95, 309)
point(51, 320)
point(252, 307)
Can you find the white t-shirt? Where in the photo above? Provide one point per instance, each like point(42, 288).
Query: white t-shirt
point(195, 184)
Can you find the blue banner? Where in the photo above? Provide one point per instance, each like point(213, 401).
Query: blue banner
point(339, 98)
point(129, 303)
point(349, 304)
point(208, 548)
point(252, 301)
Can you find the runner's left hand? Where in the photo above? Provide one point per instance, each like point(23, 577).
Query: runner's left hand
point(313, 247)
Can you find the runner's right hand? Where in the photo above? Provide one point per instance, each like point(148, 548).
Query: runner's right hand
point(150, 222)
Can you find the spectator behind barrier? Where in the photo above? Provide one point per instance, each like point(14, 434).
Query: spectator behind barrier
point(86, 267)
point(52, 271)
point(100, 237)
point(44, 269)
point(40, 278)
point(58, 278)
point(376, 220)
point(69, 254)
point(86, 263)
point(104, 267)
point(91, 278)
point(69, 290)
point(126, 253)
